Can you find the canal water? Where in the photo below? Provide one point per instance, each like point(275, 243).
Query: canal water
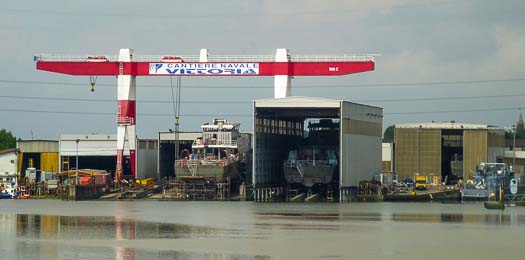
point(51, 229)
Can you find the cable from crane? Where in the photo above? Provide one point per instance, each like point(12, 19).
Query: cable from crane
point(92, 81)
point(175, 98)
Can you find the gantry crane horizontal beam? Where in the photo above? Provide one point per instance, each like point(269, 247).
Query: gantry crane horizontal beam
point(206, 68)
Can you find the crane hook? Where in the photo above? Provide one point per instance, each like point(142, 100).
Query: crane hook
point(92, 81)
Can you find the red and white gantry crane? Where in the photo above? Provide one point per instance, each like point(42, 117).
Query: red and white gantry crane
point(128, 66)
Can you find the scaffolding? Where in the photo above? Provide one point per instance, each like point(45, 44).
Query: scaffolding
point(200, 188)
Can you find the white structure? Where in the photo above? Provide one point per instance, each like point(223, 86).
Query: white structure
point(279, 121)
point(387, 156)
point(8, 164)
point(126, 117)
point(282, 83)
point(90, 147)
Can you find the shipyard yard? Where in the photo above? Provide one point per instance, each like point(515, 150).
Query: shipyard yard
point(44, 229)
point(235, 130)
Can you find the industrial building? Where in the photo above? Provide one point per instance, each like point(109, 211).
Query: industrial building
point(447, 151)
point(96, 151)
point(8, 173)
point(39, 154)
point(515, 155)
point(281, 127)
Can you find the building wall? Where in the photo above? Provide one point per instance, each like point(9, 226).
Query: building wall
point(496, 145)
point(37, 146)
point(45, 152)
point(405, 153)
point(49, 162)
point(361, 159)
point(387, 154)
point(417, 151)
point(516, 158)
point(147, 159)
point(8, 172)
point(360, 143)
point(91, 146)
point(429, 152)
point(474, 151)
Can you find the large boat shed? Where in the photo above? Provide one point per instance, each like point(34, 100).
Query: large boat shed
point(448, 151)
point(279, 122)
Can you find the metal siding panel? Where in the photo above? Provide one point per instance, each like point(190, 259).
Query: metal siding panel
point(362, 112)
point(474, 150)
point(91, 148)
point(386, 166)
point(429, 152)
point(38, 146)
point(49, 162)
point(405, 152)
point(386, 152)
point(146, 162)
point(297, 102)
point(361, 159)
point(358, 127)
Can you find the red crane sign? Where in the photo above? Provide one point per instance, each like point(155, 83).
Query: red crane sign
point(127, 66)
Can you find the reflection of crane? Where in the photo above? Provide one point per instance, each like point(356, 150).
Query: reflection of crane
point(127, 66)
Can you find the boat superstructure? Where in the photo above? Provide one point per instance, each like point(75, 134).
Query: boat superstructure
point(487, 180)
point(214, 157)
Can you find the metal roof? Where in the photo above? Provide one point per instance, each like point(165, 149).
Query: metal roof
point(10, 150)
point(304, 102)
point(297, 101)
point(91, 137)
point(446, 125)
point(37, 146)
point(183, 136)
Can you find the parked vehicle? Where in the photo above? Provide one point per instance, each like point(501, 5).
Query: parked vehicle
point(408, 182)
point(421, 182)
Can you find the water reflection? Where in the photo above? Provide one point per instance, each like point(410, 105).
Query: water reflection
point(489, 218)
point(64, 237)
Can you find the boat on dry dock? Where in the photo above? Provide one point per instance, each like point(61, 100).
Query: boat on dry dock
point(312, 166)
point(213, 163)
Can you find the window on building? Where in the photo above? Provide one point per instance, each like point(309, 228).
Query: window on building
point(12, 161)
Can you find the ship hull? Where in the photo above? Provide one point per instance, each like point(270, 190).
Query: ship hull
point(217, 173)
point(309, 175)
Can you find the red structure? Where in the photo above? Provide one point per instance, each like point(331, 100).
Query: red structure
point(127, 67)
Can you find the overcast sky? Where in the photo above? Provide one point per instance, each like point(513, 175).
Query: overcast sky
point(469, 54)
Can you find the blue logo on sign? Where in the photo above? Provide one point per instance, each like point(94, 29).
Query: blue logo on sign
point(157, 67)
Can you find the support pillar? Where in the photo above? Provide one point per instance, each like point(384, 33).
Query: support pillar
point(283, 83)
point(126, 114)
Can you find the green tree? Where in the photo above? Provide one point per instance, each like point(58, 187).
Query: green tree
point(389, 134)
point(520, 134)
point(7, 140)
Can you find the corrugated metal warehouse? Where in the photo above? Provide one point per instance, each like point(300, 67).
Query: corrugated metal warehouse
point(282, 126)
point(42, 154)
point(100, 152)
point(447, 150)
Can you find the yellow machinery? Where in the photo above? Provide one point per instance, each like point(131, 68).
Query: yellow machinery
point(148, 183)
point(421, 182)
